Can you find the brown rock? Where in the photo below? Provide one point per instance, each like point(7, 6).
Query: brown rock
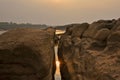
point(79, 29)
point(116, 26)
point(102, 34)
point(96, 26)
point(76, 29)
point(93, 56)
point(27, 54)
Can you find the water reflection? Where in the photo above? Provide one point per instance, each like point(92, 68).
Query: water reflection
point(57, 74)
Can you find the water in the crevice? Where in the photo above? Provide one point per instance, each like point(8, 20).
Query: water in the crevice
point(57, 74)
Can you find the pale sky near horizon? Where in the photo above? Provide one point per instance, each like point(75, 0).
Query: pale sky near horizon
point(58, 12)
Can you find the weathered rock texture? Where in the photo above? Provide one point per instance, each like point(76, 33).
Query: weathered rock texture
point(27, 54)
point(91, 51)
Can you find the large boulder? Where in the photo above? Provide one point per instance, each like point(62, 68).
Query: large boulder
point(27, 54)
point(93, 54)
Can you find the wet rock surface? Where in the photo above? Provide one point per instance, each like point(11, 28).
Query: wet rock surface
point(91, 51)
point(27, 54)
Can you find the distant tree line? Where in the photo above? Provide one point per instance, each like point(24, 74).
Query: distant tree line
point(11, 25)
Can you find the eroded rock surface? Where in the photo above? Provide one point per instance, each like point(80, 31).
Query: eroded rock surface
point(91, 51)
point(27, 54)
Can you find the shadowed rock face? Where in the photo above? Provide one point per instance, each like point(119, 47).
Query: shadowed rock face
point(91, 51)
point(27, 54)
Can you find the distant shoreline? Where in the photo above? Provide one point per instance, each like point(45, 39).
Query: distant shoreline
point(2, 31)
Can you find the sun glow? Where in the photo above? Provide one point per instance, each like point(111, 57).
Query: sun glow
point(63, 2)
point(57, 1)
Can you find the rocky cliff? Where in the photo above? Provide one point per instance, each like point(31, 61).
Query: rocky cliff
point(27, 54)
point(91, 51)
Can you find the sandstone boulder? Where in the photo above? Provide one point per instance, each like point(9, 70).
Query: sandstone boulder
point(27, 54)
point(93, 56)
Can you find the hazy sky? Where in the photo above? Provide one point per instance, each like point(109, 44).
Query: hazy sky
point(59, 12)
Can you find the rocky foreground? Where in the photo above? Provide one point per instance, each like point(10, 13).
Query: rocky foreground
point(91, 51)
point(27, 54)
point(86, 52)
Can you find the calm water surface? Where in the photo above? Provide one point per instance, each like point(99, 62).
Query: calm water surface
point(57, 74)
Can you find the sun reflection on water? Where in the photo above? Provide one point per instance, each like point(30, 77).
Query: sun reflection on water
point(57, 74)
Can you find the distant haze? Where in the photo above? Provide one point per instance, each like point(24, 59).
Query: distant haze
point(58, 12)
